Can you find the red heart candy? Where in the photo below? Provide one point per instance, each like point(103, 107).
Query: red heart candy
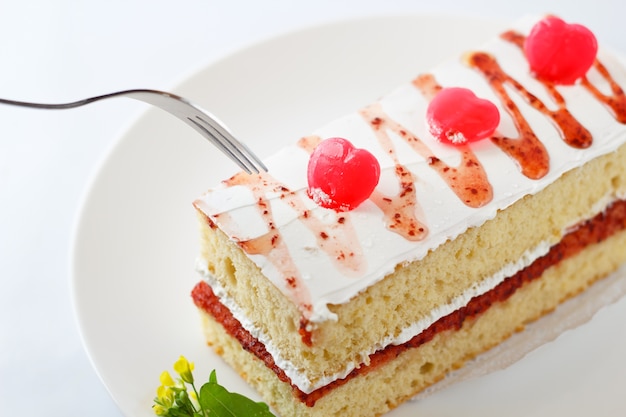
point(455, 115)
point(341, 176)
point(560, 52)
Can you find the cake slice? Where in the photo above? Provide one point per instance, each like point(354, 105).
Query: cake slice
point(478, 224)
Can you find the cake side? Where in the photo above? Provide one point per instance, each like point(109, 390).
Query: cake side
point(377, 316)
point(384, 387)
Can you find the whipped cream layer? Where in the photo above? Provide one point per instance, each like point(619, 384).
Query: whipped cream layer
point(318, 257)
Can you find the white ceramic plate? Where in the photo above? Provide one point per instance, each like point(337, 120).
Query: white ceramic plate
point(136, 240)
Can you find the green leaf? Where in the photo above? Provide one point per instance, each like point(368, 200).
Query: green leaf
point(213, 377)
point(222, 403)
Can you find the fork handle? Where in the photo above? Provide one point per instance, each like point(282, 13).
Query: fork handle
point(79, 103)
point(199, 119)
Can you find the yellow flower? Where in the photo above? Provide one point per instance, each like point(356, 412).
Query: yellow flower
point(159, 410)
point(166, 379)
point(165, 396)
point(184, 368)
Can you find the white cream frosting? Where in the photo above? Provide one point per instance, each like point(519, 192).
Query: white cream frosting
point(445, 215)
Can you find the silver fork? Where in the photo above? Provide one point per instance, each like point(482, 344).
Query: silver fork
point(201, 120)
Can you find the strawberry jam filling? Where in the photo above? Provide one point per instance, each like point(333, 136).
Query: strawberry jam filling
point(587, 233)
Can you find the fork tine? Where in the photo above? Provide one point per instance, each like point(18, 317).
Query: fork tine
point(210, 135)
point(251, 156)
point(229, 144)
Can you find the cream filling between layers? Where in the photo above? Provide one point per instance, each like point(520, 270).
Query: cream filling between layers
point(305, 384)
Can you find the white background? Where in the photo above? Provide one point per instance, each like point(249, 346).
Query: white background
point(62, 50)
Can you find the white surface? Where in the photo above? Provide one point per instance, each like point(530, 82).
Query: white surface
point(64, 50)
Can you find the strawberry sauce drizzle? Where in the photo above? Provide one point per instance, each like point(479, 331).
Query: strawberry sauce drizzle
point(572, 132)
point(526, 150)
point(616, 101)
point(399, 210)
point(271, 244)
point(337, 238)
point(469, 180)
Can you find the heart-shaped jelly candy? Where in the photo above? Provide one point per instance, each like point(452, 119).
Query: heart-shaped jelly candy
point(455, 115)
point(560, 52)
point(341, 176)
